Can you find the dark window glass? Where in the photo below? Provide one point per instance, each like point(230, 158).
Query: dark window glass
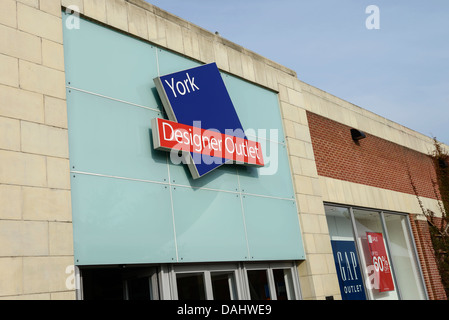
point(190, 286)
point(258, 285)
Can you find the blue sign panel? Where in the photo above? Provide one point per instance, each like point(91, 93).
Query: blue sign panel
point(348, 270)
point(198, 97)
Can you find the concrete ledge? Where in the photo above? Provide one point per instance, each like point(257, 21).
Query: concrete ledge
point(209, 35)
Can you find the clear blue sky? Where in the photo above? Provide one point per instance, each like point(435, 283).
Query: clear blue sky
point(400, 71)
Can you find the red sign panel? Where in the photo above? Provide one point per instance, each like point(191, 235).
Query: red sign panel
point(171, 135)
point(380, 261)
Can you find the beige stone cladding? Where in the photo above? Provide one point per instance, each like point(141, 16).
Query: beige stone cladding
point(317, 273)
point(36, 241)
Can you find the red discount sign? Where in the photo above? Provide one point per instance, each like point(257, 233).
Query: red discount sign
point(380, 261)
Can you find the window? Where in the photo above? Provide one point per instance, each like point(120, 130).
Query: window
point(345, 253)
point(376, 259)
point(374, 254)
point(119, 283)
point(215, 281)
point(223, 285)
point(275, 281)
point(190, 286)
point(403, 255)
point(283, 281)
point(258, 285)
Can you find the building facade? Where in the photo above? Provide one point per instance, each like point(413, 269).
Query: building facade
point(89, 209)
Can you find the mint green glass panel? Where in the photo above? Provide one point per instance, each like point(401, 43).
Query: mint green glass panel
point(257, 107)
point(112, 138)
point(110, 63)
point(272, 180)
point(272, 227)
point(117, 221)
point(223, 178)
point(131, 220)
point(170, 62)
point(209, 225)
point(259, 113)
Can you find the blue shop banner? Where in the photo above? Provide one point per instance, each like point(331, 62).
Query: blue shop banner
point(348, 270)
point(198, 97)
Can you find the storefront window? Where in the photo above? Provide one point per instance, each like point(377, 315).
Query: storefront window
point(404, 259)
point(190, 286)
point(375, 258)
point(258, 285)
point(224, 285)
point(275, 280)
point(345, 253)
point(139, 288)
point(374, 254)
point(283, 281)
point(119, 283)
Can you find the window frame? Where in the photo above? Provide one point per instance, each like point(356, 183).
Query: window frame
point(206, 271)
point(163, 283)
point(239, 270)
point(381, 213)
point(269, 267)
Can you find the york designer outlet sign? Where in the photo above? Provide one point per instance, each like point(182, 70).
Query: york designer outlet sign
point(203, 124)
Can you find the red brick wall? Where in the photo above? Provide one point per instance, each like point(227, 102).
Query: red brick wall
point(371, 161)
point(426, 254)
